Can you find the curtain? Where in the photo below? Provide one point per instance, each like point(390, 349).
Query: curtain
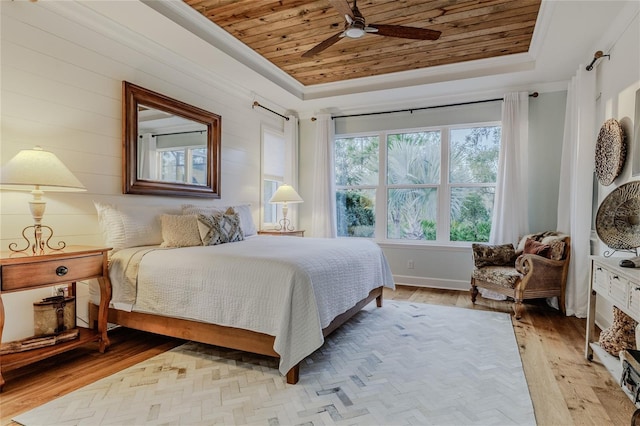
point(510, 210)
point(147, 155)
point(576, 186)
point(323, 220)
point(291, 163)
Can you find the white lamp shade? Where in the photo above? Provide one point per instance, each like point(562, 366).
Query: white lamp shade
point(37, 167)
point(286, 194)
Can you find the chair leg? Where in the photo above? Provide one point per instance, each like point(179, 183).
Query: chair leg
point(474, 291)
point(517, 308)
point(561, 303)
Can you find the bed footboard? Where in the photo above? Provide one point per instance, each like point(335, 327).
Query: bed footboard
point(213, 334)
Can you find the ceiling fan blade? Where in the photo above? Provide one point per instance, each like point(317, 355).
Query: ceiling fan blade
point(343, 8)
point(406, 32)
point(323, 45)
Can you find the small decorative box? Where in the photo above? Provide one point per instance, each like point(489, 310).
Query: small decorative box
point(53, 315)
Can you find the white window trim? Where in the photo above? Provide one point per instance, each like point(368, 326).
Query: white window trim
point(290, 165)
point(444, 187)
point(264, 129)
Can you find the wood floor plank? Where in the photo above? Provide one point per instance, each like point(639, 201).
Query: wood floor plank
point(548, 401)
point(564, 361)
point(564, 387)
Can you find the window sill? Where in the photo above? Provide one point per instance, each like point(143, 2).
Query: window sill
point(427, 246)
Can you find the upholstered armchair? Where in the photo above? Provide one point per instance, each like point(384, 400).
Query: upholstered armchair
point(537, 268)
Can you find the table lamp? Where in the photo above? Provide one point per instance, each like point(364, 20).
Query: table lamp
point(37, 170)
point(285, 195)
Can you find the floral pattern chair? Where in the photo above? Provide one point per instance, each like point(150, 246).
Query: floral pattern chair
point(537, 268)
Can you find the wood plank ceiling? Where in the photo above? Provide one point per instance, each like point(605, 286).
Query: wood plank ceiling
point(281, 31)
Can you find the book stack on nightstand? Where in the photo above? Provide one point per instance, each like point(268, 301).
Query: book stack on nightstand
point(296, 233)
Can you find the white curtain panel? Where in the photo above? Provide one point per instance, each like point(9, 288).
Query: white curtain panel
point(147, 152)
point(511, 206)
point(323, 219)
point(291, 163)
point(576, 189)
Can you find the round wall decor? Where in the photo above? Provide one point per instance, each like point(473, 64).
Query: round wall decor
point(611, 151)
point(618, 217)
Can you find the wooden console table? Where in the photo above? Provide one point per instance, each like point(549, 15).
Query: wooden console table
point(24, 271)
point(621, 287)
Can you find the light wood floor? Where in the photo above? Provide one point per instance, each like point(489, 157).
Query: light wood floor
point(565, 388)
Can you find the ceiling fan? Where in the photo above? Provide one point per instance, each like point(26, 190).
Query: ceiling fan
point(356, 27)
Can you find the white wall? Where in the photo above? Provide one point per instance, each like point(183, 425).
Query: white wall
point(62, 69)
point(618, 80)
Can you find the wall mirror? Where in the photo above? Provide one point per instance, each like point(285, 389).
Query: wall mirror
point(169, 147)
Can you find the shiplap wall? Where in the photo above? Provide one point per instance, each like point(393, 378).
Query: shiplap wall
point(62, 67)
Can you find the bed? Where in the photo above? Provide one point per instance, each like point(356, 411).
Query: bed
point(271, 295)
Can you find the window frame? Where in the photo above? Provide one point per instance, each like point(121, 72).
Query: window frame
point(444, 187)
point(187, 152)
point(275, 208)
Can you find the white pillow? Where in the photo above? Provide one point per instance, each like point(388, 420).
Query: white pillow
point(246, 219)
point(180, 230)
point(131, 226)
point(243, 210)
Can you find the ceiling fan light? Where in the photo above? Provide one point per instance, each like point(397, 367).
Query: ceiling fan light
point(354, 32)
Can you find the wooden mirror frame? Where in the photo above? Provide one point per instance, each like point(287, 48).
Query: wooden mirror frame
point(132, 96)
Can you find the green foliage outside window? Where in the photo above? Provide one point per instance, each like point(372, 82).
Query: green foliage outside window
point(413, 179)
point(356, 214)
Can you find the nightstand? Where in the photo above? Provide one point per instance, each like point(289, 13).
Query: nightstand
point(296, 233)
point(24, 271)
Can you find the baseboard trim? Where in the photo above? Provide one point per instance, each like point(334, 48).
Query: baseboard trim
point(431, 282)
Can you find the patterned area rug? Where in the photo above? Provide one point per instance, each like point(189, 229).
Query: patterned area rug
point(403, 364)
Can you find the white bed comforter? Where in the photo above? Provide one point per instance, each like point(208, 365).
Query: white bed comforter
point(287, 287)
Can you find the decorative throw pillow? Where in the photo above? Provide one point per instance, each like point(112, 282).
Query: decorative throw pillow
point(131, 226)
point(493, 255)
point(243, 211)
point(542, 237)
point(180, 231)
point(621, 335)
point(556, 249)
point(220, 228)
point(553, 249)
point(534, 247)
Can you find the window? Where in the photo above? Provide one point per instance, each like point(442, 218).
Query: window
point(273, 172)
point(186, 165)
point(438, 184)
point(356, 161)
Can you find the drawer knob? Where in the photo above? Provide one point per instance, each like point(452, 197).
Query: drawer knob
point(61, 271)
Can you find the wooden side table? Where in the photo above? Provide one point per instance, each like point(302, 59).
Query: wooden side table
point(296, 233)
point(24, 271)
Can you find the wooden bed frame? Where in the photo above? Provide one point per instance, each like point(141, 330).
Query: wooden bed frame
point(212, 334)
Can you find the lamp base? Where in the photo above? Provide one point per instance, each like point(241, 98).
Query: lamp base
point(39, 244)
point(285, 225)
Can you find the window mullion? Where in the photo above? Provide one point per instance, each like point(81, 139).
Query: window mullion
point(188, 161)
point(381, 190)
point(444, 199)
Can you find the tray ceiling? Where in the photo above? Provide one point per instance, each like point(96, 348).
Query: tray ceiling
point(281, 31)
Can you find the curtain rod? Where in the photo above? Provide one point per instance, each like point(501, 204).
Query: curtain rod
point(533, 95)
point(257, 104)
point(178, 133)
